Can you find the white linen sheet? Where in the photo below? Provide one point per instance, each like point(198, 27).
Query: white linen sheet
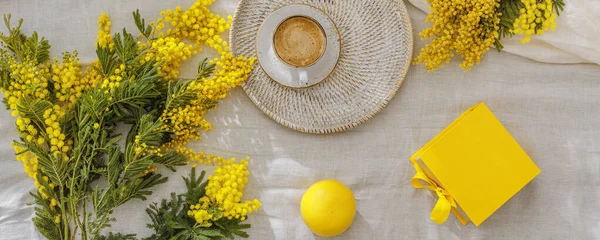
point(550, 109)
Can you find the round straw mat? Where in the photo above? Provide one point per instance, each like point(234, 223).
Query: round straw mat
point(376, 42)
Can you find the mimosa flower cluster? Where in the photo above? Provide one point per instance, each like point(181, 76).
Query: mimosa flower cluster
point(468, 28)
point(534, 19)
point(463, 35)
point(104, 37)
point(196, 24)
point(223, 195)
point(67, 78)
point(172, 51)
point(30, 80)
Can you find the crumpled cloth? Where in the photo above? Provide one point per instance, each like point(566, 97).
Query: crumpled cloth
point(575, 39)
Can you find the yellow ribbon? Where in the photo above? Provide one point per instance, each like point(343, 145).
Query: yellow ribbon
point(445, 202)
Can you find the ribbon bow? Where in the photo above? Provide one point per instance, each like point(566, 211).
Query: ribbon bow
point(445, 202)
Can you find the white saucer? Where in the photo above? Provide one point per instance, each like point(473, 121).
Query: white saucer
point(291, 76)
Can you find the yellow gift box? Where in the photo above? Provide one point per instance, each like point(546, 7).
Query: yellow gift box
point(474, 166)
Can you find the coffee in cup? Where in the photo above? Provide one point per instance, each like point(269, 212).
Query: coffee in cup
point(299, 41)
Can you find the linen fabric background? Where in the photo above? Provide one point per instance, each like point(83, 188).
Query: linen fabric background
point(550, 109)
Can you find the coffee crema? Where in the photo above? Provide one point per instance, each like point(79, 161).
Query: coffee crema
point(299, 41)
